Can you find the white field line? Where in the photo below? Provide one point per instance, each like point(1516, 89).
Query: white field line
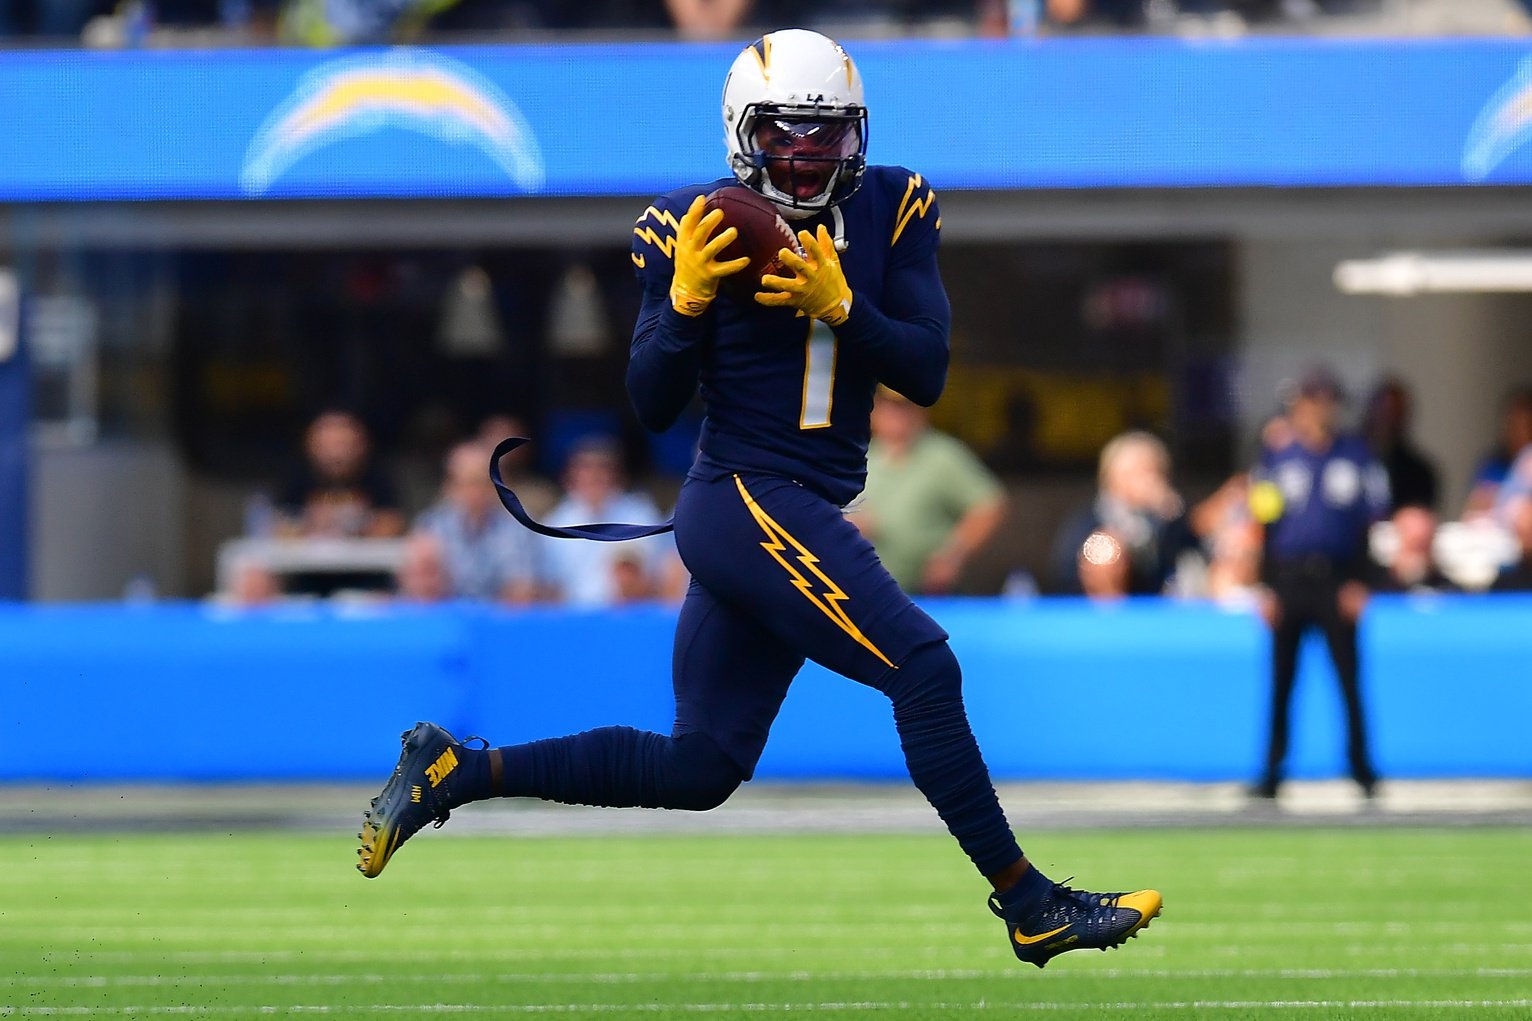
point(743, 977)
point(515, 957)
point(522, 956)
point(758, 1008)
point(507, 915)
point(1247, 932)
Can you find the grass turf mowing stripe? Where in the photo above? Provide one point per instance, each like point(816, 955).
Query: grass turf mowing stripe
point(981, 1006)
point(885, 926)
point(743, 977)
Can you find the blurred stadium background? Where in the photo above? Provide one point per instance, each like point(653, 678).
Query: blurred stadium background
point(220, 219)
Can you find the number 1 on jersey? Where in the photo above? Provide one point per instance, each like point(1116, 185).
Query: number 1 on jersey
point(818, 377)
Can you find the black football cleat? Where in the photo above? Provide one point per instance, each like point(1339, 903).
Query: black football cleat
point(1077, 920)
point(418, 792)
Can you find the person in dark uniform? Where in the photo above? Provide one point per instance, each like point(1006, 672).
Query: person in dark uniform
point(787, 373)
point(1411, 475)
point(1317, 493)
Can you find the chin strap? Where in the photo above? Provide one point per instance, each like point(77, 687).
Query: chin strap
point(792, 215)
point(840, 229)
point(607, 532)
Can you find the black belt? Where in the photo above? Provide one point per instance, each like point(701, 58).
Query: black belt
point(1310, 565)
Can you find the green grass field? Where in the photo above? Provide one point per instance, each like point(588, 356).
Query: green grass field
point(1272, 923)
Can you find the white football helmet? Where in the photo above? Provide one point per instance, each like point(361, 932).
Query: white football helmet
point(794, 121)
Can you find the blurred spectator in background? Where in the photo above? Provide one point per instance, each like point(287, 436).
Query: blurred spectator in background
point(1411, 475)
point(1518, 576)
point(997, 17)
point(1317, 496)
point(1277, 432)
point(254, 584)
point(1515, 436)
point(50, 19)
point(1234, 565)
point(369, 22)
point(1083, 13)
point(536, 493)
point(487, 554)
point(355, 22)
point(929, 503)
point(1515, 489)
point(707, 19)
point(110, 24)
point(1231, 543)
point(337, 492)
point(590, 574)
point(205, 13)
point(1413, 567)
point(422, 574)
point(634, 580)
point(1127, 541)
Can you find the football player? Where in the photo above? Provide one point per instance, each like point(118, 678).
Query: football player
point(787, 373)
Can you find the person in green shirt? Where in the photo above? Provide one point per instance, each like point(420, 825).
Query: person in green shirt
point(929, 503)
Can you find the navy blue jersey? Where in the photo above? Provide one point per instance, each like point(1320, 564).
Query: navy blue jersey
point(784, 394)
point(1328, 501)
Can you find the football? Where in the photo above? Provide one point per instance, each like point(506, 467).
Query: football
point(763, 233)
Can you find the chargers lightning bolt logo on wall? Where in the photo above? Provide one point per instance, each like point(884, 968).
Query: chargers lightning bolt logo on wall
point(409, 89)
point(1504, 126)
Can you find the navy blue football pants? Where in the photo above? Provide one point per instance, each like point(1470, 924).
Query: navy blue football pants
point(779, 576)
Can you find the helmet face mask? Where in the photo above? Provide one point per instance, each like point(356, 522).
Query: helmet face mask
point(795, 122)
point(805, 161)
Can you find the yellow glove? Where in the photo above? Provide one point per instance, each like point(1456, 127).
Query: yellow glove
point(818, 285)
point(697, 271)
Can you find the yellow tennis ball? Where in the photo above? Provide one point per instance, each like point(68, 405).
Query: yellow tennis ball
point(1265, 502)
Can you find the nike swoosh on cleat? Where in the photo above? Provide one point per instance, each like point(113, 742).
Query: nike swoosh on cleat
point(1026, 941)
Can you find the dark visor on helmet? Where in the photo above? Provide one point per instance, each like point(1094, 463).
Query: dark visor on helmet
point(808, 138)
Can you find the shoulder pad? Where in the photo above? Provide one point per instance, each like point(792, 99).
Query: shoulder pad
point(654, 233)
